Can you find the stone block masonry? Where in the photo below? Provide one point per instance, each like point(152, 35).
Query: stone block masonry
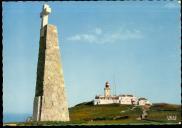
point(50, 102)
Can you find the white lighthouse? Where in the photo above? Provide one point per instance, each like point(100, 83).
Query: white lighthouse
point(107, 90)
point(107, 98)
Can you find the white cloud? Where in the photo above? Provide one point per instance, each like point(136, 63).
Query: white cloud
point(83, 37)
point(100, 37)
point(171, 5)
point(76, 37)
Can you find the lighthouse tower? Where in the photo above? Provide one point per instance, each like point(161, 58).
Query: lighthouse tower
point(107, 90)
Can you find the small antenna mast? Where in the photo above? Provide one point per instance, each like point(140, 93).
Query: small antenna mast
point(114, 85)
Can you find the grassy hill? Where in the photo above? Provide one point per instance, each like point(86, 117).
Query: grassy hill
point(116, 113)
point(88, 114)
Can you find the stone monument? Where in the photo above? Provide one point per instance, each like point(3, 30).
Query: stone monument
point(50, 102)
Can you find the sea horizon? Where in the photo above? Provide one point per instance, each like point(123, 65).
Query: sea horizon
point(15, 117)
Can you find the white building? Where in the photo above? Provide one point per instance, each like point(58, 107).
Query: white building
point(107, 98)
point(128, 99)
point(120, 99)
point(143, 101)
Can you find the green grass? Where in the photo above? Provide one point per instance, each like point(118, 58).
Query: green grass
point(88, 114)
point(157, 114)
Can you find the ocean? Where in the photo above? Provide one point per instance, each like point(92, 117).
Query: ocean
point(9, 117)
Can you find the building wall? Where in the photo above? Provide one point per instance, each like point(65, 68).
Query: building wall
point(120, 100)
point(105, 101)
point(107, 92)
point(127, 100)
point(143, 102)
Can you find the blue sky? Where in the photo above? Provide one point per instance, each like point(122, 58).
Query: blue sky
point(135, 43)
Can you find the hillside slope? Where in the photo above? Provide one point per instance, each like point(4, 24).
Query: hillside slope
point(116, 113)
point(88, 114)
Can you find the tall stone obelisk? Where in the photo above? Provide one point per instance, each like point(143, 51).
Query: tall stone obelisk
point(50, 102)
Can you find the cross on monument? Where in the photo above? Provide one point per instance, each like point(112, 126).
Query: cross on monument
point(46, 10)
